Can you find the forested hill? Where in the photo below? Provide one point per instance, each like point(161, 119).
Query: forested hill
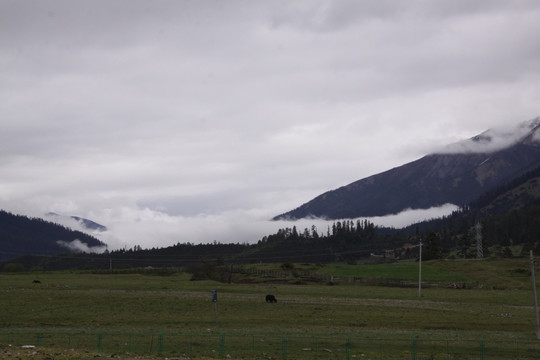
point(513, 195)
point(508, 214)
point(21, 235)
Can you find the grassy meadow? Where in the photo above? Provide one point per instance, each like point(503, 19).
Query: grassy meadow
point(496, 305)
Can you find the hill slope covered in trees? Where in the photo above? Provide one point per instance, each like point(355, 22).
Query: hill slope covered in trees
point(21, 235)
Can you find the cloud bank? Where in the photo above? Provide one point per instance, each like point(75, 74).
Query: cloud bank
point(79, 246)
point(496, 139)
point(233, 227)
point(161, 119)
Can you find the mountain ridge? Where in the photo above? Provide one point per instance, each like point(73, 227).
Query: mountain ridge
point(87, 224)
point(443, 177)
point(20, 234)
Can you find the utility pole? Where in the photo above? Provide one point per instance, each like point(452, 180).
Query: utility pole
point(420, 271)
point(535, 299)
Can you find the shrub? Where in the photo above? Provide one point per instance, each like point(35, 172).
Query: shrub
point(287, 266)
point(202, 271)
point(507, 252)
point(14, 267)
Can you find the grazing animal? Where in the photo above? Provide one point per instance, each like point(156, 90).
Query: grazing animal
point(36, 282)
point(271, 299)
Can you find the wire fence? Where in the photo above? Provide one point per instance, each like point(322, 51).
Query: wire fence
point(230, 344)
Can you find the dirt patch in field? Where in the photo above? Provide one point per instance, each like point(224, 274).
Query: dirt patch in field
point(28, 352)
point(263, 281)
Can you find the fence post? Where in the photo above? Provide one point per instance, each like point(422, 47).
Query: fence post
point(100, 340)
point(482, 348)
point(38, 340)
point(348, 346)
point(160, 342)
point(413, 352)
point(284, 345)
point(316, 348)
point(222, 344)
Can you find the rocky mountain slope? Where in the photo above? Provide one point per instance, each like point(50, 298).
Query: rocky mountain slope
point(457, 174)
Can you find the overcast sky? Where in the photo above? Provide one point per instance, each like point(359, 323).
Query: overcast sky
point(177, 121)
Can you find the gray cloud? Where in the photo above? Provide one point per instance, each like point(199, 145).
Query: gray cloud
point(78, 246)
point(159, 113)
point(495, 139)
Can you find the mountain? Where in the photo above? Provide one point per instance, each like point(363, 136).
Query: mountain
point(85, 223)
point(89, 224)
point(457, 174)
point(21, 235)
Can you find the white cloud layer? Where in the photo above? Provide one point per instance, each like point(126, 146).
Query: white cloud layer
point(166, 120)
point(149, 228)
point(79, 246)
point(495, 139)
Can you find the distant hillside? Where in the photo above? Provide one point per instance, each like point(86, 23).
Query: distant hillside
point(85, 223)
point(89, 224)
point(21, 235)
point(509, 216)
point(513, 195)
point(434, 180)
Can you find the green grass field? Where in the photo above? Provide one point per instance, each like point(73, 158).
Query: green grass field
point(173, 316)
